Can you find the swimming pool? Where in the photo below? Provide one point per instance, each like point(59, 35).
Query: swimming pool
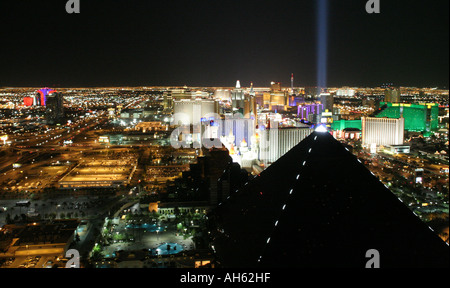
point(168, 249)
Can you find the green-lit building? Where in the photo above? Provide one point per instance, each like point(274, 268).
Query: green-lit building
point(421, 117)
point(340, 125)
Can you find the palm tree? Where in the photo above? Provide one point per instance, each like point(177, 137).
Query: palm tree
point(8, 219)
point(96, 255)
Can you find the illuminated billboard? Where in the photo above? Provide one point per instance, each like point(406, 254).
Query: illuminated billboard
point(4, 138)
point(103, 139)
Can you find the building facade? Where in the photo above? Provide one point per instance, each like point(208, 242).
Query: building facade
point(192, 111)
point(274, 143)
point(55, 108)
point(327, 101)
point(382, 131)
point(422, 117)
point(392, 95)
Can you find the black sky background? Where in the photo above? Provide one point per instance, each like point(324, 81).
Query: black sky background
point(216, 42)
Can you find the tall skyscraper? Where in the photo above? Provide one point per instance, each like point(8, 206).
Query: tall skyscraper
point(278, 98)
point(274, 143)
point(392, 94)
point(55, 107)
point(187, 111)
point(304, 110)
point(40, 97)
point(421, 117)
point(222, 94)
point(252, 91)
point(167, 100)
point(238, 97)
point(382, 131)
point(292, 84)
point(179, 94)
point(327, 101)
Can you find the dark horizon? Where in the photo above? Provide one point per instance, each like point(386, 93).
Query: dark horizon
point(213, 44)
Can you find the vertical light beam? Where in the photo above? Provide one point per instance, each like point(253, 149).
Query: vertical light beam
point(322, 43)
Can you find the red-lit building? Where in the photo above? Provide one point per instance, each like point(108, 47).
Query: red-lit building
point(28, 101)
point(39, 98)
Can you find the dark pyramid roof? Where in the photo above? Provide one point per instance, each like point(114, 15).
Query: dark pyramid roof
point(336, 210)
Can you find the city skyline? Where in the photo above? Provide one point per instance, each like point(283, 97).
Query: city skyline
point(212, 44)
point(224, 134)
point(129, 177)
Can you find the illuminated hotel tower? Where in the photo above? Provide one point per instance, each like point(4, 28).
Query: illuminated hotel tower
point(276, 142)
point(238, 97)
point(392, 94)
point(382, 131)
point(250, 103)
point(252, 91)
point(55, 107)
point(292, 83)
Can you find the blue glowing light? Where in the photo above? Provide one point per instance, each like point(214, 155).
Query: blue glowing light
point(322, 43)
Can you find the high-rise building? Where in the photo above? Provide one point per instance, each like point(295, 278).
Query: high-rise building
point(316, 203)
point(238, 98)
point(211, 169)
point(167, 100)
point(55, 107)
point(176, 94)
point(292, 83)
point(392, 94)
point(327, 101)
point(243, 102)
point(250, 103)
point(275, 142)
point(344, 124)
point(192, 111)
point(345, 92)
point(275, 86)
point(222, 94)
point(40, 97)
point(382, 131)
point(252, 90)
point(422, 117)
point(304, 110)
point(276, 99)
point(311, 91)
point(250, 107)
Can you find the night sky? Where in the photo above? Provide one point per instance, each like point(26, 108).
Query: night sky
point(216, 42)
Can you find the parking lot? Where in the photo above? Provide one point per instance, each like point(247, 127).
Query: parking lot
point(77, 207)
point(45, 261)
